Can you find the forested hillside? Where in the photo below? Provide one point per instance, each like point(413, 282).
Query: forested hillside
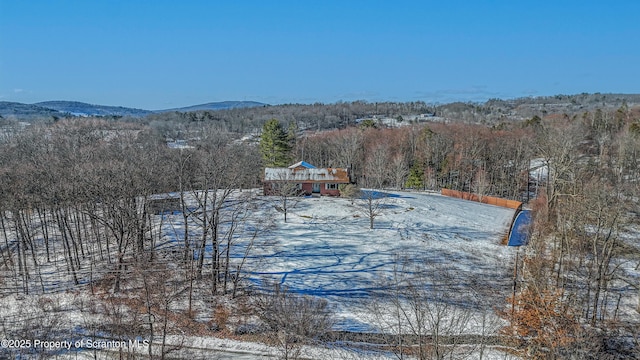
point(247, 116)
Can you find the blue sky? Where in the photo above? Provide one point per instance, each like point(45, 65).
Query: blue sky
point(163, 54)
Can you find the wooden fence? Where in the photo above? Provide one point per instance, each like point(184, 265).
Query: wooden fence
point(511, 204)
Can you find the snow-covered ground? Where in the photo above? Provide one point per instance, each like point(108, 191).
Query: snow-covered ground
point(326, 248)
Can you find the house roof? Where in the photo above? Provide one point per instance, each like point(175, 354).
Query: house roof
point(303, 164)
point(319, 175)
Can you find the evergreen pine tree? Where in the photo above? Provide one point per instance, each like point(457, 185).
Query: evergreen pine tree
point(416, 177)
point(275, 145)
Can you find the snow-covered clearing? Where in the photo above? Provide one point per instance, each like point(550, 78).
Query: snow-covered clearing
point(326, 248)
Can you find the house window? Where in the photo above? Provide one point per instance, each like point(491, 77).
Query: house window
point(331, 186)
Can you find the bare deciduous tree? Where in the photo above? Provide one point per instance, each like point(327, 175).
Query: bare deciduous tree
point(372, 204)
point(287, 193)
point(377, 170)
point(422, 307)
point(294, 320)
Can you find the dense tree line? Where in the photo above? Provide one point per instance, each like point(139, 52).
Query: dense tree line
point(87, 187)
point(83, 205)
point(427, 156)
point(339, 115)
point(574, 284)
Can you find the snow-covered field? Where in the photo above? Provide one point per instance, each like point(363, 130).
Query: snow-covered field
point(326, 248)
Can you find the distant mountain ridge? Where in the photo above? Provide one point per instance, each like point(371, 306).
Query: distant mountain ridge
point(77, 108)
point(25, 111)
point(48, 109)
point(223, 105)
point(493, 111)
